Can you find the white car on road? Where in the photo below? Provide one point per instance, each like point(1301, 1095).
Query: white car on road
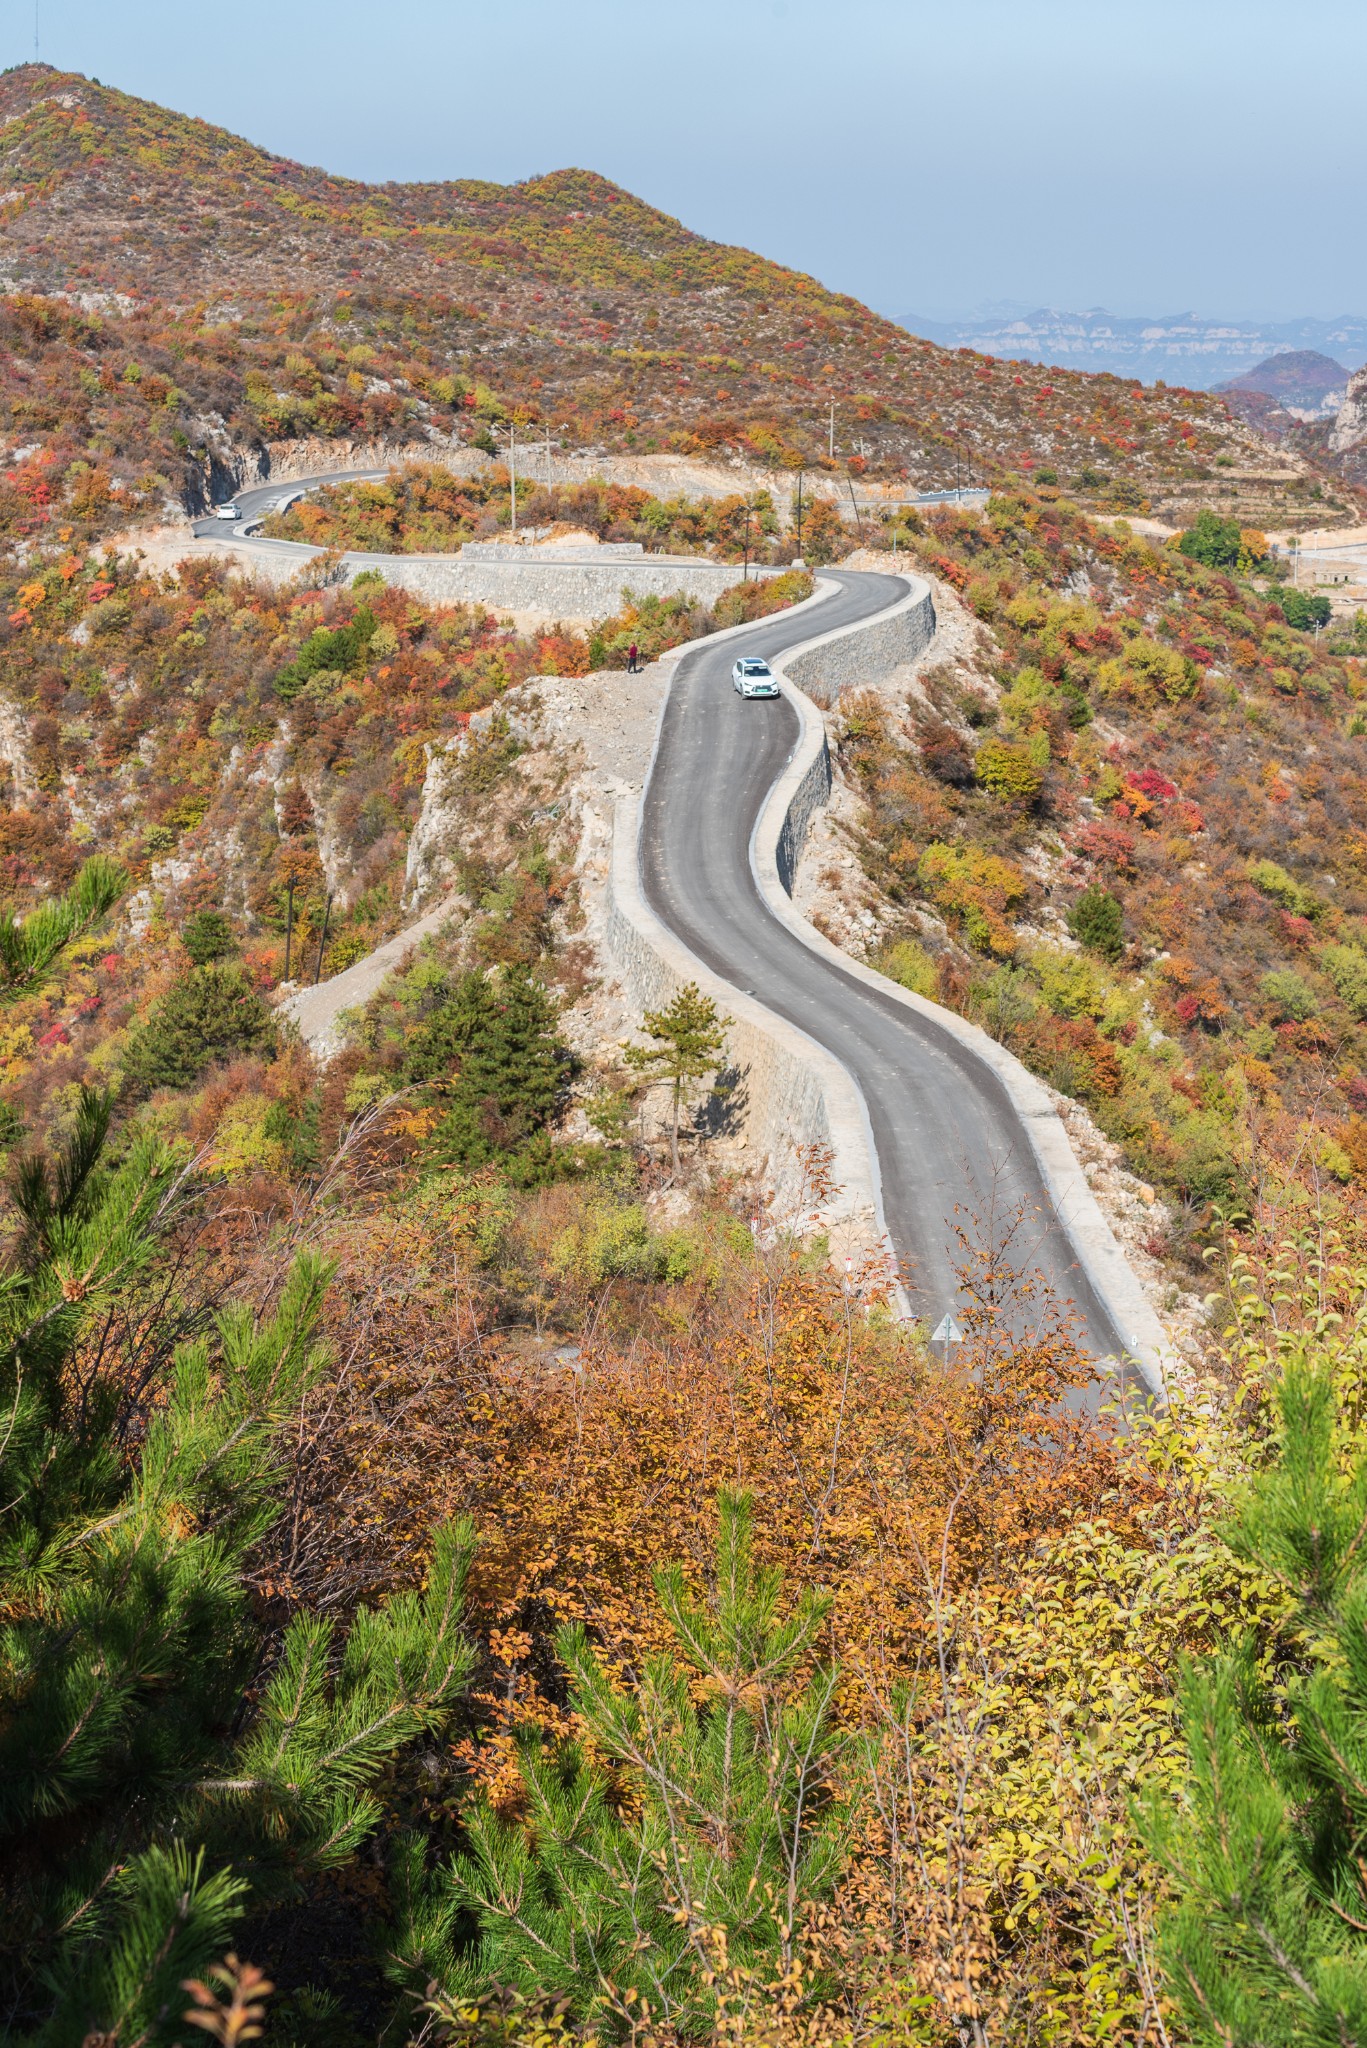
point(753, 678)
point(228, 511)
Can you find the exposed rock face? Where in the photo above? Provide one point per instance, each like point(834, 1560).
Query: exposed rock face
point(1350, 428)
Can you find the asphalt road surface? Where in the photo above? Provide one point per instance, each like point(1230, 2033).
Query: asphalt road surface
point(950, 1146)
point(263, 498)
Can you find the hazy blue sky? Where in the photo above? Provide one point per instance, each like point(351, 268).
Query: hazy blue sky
point(1148, 157)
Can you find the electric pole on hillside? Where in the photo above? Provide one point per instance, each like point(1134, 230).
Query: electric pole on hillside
point(831, 444)
point(512, 471)
point(798, 519)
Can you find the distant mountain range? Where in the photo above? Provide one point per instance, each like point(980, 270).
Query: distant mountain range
point(1179, 348)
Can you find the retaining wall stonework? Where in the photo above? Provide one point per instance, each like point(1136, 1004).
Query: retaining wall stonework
point(833, 662)
point(554, 591)
point(558, 590)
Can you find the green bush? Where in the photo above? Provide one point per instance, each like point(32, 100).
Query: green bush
point(337, 651)
point(1273, 880)
point(210, 1014)
point(1303, 611)
point(744, 1795)
point(172, 1752)
point(908, 962)
point(1346, 967)
point(1097, 922)
point(1214, 541)
point(1288, 996)
point(208, 936)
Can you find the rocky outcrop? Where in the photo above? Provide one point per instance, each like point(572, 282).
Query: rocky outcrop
point(1350, 427)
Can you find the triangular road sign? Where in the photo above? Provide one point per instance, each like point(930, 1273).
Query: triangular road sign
point(947, 1331)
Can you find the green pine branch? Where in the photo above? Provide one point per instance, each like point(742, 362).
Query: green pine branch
point(734, 1819)
point(1264, 1940)
point(152, 1792)
point(29, 946)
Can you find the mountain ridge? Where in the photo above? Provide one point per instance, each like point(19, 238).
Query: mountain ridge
point(564, 299)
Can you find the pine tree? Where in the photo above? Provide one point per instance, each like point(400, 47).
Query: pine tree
point(704, 1828)
point(154, 1777)
point(690, 1042)
point(1097, 922)
point(1265, 1944)
point(210, 1014)
point(490, 1048)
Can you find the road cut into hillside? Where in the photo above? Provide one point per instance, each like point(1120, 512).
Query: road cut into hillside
point(966, 1149)
point(963, 1149)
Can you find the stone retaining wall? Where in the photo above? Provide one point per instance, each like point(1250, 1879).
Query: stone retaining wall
point(841, 661)
point(564, 592)
point(557, 590)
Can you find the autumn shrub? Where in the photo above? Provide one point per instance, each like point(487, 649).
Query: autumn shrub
point(1148, 673)
point(1009, 772)
point(610, 1241)
point(974, 889)
point(947, 754)
point(908, 962)
point(761, 597)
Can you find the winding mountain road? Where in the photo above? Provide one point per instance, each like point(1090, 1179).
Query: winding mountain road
point(950, 1143)
point(951, 1147)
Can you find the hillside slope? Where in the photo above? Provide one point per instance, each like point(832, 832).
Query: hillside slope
point(563, 297)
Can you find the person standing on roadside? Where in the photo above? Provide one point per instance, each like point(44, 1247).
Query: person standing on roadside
point(633, 659)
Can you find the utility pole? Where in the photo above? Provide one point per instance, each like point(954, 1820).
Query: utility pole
point(859, 524)
point(289, 925)
point(831, 444)
point(798, 549)
point(512, 470)
point(323, 938)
